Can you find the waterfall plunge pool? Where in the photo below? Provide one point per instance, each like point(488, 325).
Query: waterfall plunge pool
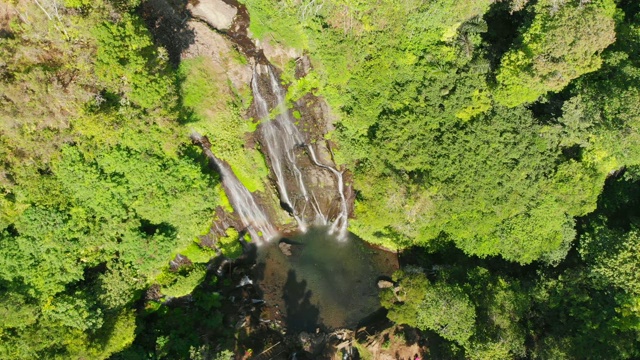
point(325, 282)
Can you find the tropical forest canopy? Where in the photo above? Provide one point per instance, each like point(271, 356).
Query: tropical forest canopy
point(499, 140)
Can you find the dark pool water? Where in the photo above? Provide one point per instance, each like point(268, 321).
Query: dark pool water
point(326, 282)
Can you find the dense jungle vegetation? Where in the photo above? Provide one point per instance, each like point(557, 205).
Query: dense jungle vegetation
point(498, 140)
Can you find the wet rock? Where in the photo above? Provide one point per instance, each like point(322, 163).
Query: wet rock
point(285, 248)
point(178, 262)
point(385, 284)
point(216, 13)
point(312, 343)
point(222, 267)
point(153, 293)
point(276, 53)
point(303, 66)
point(245, 281)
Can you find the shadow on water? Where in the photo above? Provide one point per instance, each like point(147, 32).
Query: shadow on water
point(319, 281)
point(301, 313)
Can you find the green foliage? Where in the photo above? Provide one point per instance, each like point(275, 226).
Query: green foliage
point(162, 216)
point(214, 112)
point(119, 332)
point(480, 104)
point(183, 283)
point(277, 20)
point(16, 312)
point(502, 305)
point(197, 253)
point(129, 66)
point(224, 355)
point(412, 86)
point(585, 308)
point(438, 307)
point(589, 309)
point(614, 255)
point(563, 42)
point(73, 311)
point(98, 183)
point(118, 285)
point(577, 320)
point(190, 330)
point(610, 241)
point(305, 85)
point(516, 201)
point(99, 187)
point(230, 244)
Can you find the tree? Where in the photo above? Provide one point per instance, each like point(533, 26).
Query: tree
point(501, 306)
point(614, 257)
point(98, 184)
point(439, 307)
point(563, 41)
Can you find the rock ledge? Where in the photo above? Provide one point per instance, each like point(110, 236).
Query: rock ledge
point(216, 13)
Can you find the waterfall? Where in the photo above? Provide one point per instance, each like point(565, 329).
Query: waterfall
point(281, 138)
point(252, 217)
point(341, 222)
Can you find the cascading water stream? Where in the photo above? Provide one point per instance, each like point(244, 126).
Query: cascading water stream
point(295, 138)
point(281, 138)
point(269, 131)
point(252, 217)
point(335, 278)
point(341, 222)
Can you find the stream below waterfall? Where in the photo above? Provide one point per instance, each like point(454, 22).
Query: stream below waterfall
point(326, 282)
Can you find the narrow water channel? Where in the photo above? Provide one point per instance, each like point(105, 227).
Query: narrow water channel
point(325, 282)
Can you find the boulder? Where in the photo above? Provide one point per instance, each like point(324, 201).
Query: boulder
point(313, 343)
point(285, 248)
point(276, 53)
point(384, 284)
point(216, 13)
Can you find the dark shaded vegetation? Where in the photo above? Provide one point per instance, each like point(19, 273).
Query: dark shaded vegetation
point(168, 26)
point(520, 311)
point(502, 33)
point(580, 309)
point(183, 327)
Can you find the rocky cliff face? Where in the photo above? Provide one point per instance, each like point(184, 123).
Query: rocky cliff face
point(303, 175)
point(216, 13)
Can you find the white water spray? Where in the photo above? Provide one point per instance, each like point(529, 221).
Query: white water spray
point(341, 222)
point(252, 217)
point(281, 138)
